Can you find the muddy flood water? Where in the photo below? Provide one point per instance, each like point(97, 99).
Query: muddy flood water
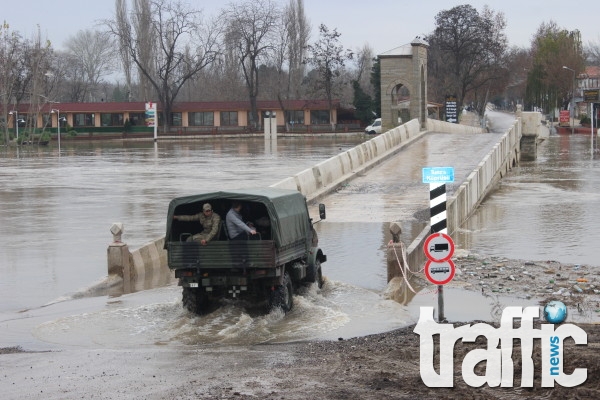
point(56, 213)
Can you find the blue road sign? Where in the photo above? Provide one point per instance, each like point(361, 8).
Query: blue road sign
point(438, 175)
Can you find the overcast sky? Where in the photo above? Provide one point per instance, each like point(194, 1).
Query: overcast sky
point(383, 24)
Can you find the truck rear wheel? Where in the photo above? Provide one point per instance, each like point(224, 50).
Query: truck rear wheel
point(195, 300)
point(282, 296)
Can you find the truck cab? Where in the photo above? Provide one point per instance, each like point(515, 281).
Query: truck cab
point(267, 267)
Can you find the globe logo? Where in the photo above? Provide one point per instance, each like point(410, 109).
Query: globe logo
point(555, 312)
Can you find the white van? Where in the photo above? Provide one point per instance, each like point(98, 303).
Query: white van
point(374, 128)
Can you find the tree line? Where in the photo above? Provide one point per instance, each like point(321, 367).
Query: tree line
point(167, 50)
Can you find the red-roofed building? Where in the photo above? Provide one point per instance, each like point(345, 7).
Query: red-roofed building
point(588, 85)
point(187, 117)
point(590, 79)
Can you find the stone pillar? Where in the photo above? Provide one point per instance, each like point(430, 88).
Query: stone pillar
point(404, 66)
point(119, 262)
point(418, 95)
point(531, 123)
point(270, 125)
point(394, 253)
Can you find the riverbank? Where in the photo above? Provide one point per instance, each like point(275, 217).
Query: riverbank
point(381, 366)
point(576, 285)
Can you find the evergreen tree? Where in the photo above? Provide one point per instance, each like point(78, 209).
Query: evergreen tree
point(376, 82)
point(363, 104)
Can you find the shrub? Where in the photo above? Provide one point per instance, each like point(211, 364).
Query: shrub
point(584, 119)
point(127, 127)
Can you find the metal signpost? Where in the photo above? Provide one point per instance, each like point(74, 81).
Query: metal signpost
point(57, 126)
point(592, 96)
point(152, 117)
point(439, 247)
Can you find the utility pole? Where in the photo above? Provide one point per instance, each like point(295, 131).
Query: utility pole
point(572, 100)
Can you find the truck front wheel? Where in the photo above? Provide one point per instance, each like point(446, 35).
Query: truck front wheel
point(315, 274)
point(282, 296)
point(195, 300)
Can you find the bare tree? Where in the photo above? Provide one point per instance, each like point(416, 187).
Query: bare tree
point(75, 87)
point(593, 52)
point(184, 46)
point(122, 26)
point(548, 84)
point(518, 62)
point(362, 89)
point(298, 34)
point(37, 58)
point(290, 52)
point(251, 30)
point(223, 81)
point(466, 50)
point(23, 65)
point(94, 51)
point(146, 48)
point(10, 54)
point(364, 65)
point(328, 57)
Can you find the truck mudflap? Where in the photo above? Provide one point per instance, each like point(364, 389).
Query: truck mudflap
point(315, 254)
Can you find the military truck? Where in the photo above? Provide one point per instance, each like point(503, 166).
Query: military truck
point(267, 267)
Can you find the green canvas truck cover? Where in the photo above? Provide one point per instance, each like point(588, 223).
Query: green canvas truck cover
point(286, 208)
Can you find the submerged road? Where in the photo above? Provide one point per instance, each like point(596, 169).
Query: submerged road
point(394, 191)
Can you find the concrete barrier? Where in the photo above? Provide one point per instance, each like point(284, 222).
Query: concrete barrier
point(435, 125)
point(503, 157)
point(149, 266)
point(326, 176)
point(140, 269)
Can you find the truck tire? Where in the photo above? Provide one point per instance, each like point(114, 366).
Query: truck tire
point(195, 301)
point(315, 274)
point(282, 296)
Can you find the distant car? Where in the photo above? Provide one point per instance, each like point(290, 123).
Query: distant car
point(374, 128)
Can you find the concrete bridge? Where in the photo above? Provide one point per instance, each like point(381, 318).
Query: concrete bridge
point(146, 267)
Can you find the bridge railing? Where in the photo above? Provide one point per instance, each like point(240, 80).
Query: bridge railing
point(326, 176)
point(146, 266)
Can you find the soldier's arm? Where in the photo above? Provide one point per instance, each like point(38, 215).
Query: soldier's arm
point(188, 217)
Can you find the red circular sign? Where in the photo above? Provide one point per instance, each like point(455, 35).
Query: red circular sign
point(438, 247)
point(444, 270)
